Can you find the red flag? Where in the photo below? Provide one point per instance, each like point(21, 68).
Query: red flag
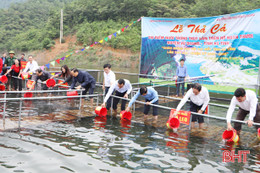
point(123, 29)
point(58, 61)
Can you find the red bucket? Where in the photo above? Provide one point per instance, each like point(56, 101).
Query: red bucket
point(25, 75)
point(72, 93)
point(28, 94)
point(173, 123)
point(50, 83)
point(2, 87)
point(126, 115)
point(230, 136)
point(3, 79)
point(101, 111)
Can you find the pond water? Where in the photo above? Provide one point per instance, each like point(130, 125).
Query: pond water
point(97, 145)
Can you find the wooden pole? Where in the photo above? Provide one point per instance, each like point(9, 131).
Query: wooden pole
point(61, 25)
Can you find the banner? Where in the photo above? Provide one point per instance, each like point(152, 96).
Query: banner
point(226, 46)
point(23, 64)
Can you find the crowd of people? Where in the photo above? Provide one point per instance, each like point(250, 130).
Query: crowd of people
point(199, 97)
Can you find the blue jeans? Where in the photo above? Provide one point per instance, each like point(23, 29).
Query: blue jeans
point(180, 79)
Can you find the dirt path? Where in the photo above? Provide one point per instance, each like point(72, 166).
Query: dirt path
point(45, 56)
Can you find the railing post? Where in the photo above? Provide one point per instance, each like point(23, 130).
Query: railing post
point(168, 90)
point(112, 99)
point(97, 100)
point(80, 99)
point(4, 107)
point(20, 109)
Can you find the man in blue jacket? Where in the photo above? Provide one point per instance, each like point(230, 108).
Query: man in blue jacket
point(151, 97)
point(86, 81)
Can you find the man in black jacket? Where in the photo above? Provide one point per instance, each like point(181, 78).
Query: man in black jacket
point(86, 81)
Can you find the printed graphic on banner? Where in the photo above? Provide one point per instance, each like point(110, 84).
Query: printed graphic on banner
point(226, 46)
point(183, 116)
point(23, 64)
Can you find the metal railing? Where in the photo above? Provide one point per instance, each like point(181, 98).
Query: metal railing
point(195, 113)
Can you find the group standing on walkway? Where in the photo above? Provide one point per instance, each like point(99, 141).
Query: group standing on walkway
point(246, 100)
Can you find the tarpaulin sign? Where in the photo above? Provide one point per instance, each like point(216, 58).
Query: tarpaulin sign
point(183, 116)
point(226, 46)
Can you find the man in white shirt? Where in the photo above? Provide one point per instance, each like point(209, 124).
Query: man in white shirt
point(123, 88)
point(248, 104)
point(199, 100)
point(31, 67)
point(109, 79)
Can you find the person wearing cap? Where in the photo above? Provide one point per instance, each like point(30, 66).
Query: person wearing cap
point(86, 81)
point(122, 88)
point(181, 74)
point(43, 76)
point(247, 102)
point(109, 79)
point(199, 100)
point(8, 63)
point(151, 97)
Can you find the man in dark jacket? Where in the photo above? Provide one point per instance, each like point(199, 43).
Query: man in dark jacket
point(43, 76)
point(86, 81)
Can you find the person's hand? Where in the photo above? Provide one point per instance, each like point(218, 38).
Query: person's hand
point(126, 96)
point(103, 105)
point(148, 103)
point(229, 126)
point(200, 111)
point(174, 114)
point(127, 109)
point(51, 77)
point(103, 87)
point(44, 82)
point(250, 123)
point(78, 87)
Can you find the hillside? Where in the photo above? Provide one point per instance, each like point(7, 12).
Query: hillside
point(7, 3)
point(34, 25)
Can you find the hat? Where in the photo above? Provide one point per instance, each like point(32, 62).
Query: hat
point(182, 58)
point(11, 52)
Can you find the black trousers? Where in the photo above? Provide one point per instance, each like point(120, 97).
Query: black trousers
point(196, 108)
point(109, 99)
point(16, 83)
point(147, 108)
point(241, 115)
point(116, 101)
